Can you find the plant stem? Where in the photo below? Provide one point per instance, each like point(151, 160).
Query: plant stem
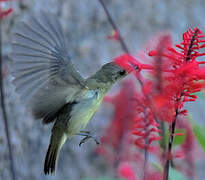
point(163, 143)
point(12, 167)
point(126, 50)
point(171, 139)
point(172, 126)
point(146, 154)
point(111, 21)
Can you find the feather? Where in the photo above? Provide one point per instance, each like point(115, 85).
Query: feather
point(43, 72)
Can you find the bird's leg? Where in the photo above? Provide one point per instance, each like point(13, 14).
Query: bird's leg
point(87, 135)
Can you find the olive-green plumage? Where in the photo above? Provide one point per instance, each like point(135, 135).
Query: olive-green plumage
point(49, 84)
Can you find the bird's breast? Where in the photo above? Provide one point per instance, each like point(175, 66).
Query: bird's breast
point(83, 111)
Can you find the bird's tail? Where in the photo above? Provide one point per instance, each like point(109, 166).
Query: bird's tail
point(51, 159)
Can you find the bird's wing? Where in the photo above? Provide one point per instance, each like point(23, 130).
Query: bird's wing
point(43, 72)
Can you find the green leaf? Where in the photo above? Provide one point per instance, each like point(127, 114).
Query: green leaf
point(175, 175)
point(178, 140)
point(157, 166)
point(199, 132)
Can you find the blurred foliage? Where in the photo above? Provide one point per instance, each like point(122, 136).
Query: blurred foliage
point(199, 132)
point(102, 178)
point(176, 175)
point(158, 166)
point(201, 94)
point(178, 140)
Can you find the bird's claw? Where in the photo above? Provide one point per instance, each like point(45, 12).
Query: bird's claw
point(88, 136)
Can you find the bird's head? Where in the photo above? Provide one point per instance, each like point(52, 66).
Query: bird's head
point(111, 72)
point(107, 76)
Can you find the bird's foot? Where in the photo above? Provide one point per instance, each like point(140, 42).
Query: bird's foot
point(87, 135)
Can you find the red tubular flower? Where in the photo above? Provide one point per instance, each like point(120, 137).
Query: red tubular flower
point(180, 79)
point(175, 75)
point(6, 12)
point(117, 135)
point(127, 62)
point(181, 73)
point(145, 129)
point(130, 64)
point(114, 36)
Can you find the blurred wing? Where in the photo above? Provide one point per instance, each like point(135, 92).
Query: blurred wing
point(43, 72)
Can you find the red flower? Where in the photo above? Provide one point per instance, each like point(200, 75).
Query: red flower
point(126, 171)
point(118, 134)
point(127, 62)
point(114, 36)
point(174, 76)
point(130, 64)
point(181, 75)
point(145, 129)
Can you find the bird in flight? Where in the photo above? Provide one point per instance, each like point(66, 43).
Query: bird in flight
point(50, 86)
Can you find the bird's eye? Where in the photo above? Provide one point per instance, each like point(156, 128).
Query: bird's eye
point(122, 72)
